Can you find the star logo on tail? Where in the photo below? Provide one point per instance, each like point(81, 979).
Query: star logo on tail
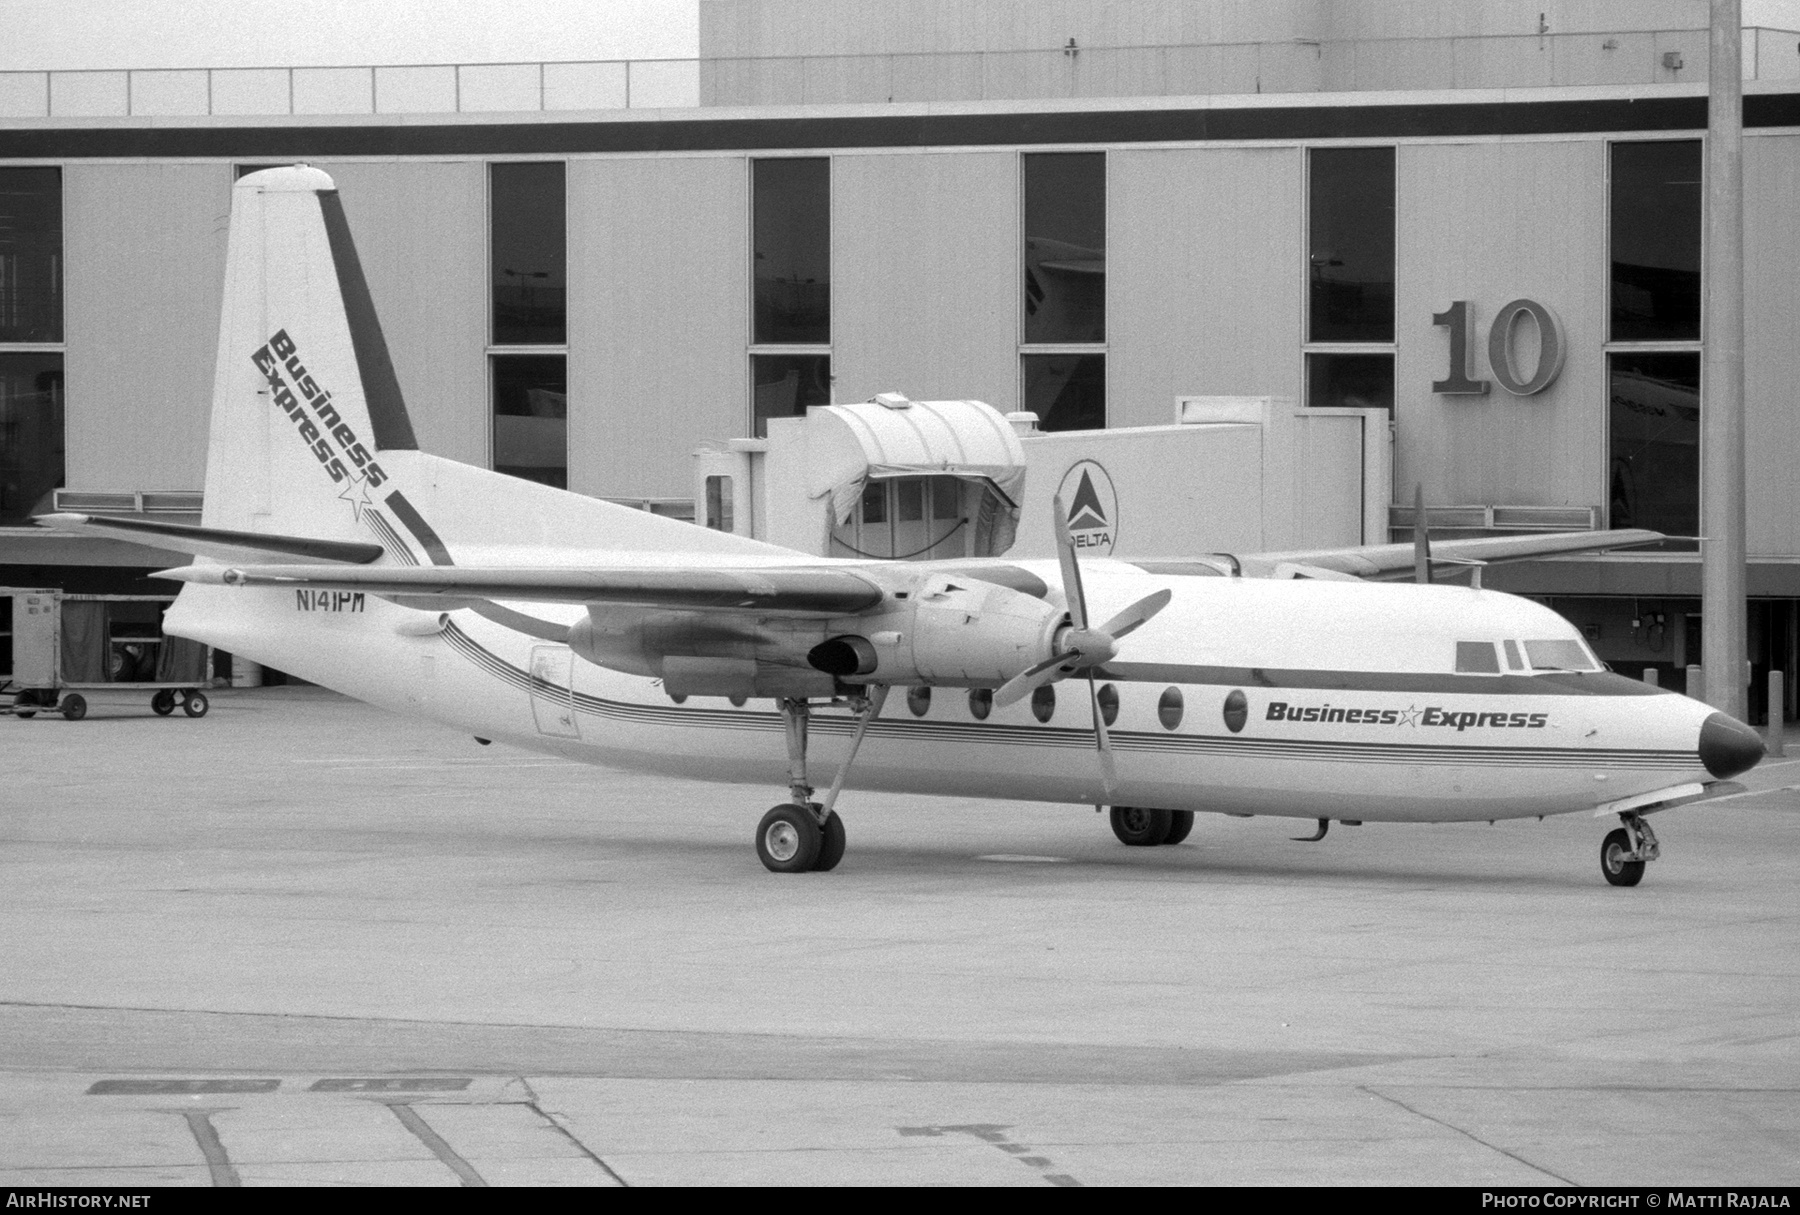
point(356, 493)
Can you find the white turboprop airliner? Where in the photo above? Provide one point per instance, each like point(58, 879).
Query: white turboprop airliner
point(1278, 684)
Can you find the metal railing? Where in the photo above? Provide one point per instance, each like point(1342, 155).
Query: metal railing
point(1642, 57)
point(454, 88)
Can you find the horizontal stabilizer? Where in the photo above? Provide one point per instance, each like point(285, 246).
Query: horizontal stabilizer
point(1381, 561)
point(222, 544)
point(802, 590)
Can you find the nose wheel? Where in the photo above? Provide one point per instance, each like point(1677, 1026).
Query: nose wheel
point(1626, 850)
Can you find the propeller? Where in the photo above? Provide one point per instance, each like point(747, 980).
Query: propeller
point(1421, 538)
point(1081, 647)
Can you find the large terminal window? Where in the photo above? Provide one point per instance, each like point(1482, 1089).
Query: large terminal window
point(1350, 277)
point(1653, 348)
point(1655, 229)
point(790, 274)
point(1063, 300)
point(31, 337)
point(528, 345)
point(1654, 418)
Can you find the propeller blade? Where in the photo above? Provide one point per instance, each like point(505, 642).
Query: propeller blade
point(1109, 774)
point(1137, 614)
point(1071, 571)
point(1421, 538)
point(1031, 679)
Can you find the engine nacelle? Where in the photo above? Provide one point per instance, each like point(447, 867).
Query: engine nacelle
point(942, 630)
point(706, 653)
point(955, 632)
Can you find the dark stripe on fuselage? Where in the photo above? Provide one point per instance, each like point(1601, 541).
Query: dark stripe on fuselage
point(399, 548)
point(415, 523)
point(997, 733)
point(1547, 683)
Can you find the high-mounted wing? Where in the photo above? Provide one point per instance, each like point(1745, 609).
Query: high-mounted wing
point(220, 543)
point(801, 590)
point(1383, 561)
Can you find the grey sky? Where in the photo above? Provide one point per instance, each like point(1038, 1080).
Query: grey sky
point(70, 34)
point(48, 35)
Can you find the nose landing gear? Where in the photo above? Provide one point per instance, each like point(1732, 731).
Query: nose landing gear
point(1625, 851)
point(802, 835)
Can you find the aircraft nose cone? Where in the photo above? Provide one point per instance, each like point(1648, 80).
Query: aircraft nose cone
point(1728, 746)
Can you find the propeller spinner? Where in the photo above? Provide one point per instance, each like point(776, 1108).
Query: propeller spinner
point(1081, 647)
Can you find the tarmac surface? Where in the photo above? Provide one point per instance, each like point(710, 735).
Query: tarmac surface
point(303, 941)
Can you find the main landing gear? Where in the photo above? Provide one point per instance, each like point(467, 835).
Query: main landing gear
point(1625, 851)
point(1143, 827)
point(802, 835)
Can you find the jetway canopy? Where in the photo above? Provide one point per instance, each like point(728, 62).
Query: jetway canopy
point(850, 445)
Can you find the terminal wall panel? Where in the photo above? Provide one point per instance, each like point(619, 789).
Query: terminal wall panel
point(1772, 336)
point(658, 319)
point(925, 276)
point(421, 234)
point(145, 262)
point(1491, 223)
point(1204, 274)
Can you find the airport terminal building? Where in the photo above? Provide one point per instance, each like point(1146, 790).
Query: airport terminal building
point(1486, 221)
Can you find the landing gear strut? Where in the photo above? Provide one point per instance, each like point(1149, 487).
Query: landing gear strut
point(1625, 851)
point(801, 834)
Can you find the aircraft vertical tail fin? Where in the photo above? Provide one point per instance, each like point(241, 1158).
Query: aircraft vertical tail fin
point(305, 399)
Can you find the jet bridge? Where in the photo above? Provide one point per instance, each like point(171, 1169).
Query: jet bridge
point(941, 479)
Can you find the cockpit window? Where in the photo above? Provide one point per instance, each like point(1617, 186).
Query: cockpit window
point(1476, 658)
point(1559, 656)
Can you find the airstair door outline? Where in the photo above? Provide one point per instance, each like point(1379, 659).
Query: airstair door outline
point(553, 691)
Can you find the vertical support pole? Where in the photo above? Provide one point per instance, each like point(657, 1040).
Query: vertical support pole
point(1696, 683)
point(1650, 676)
point(1722, 375)
point(1777, 705)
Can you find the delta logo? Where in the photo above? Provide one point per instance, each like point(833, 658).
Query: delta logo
point(1093, 506)
point(1430, 716)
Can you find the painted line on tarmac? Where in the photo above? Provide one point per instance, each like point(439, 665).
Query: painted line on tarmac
point(376, 765)
point(1018, 858)
point(556, 1125)
point(410, 1119)
point(218, 1164)
point(1449, 1126)
point(994, 1134)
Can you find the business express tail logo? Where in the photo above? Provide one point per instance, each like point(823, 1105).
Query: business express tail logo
point(330, 439)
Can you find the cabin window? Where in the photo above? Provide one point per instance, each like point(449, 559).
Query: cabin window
point(981, 703)
point(1559, 656)
point(1043, 703)
point(919, 701)
point(1513, 661)
point(1168, 709)
point(1108, 696)
point(1476, 658)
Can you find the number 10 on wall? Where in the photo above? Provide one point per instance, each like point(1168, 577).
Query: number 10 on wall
point(1551, 347)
